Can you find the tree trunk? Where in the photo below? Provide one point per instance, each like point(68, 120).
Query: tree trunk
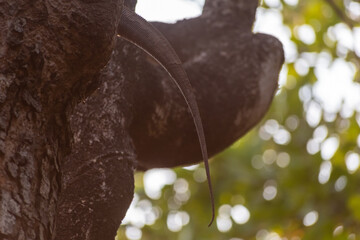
point(51, 54)
point(67, 173)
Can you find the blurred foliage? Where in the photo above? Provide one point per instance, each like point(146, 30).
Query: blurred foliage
point(296, 173)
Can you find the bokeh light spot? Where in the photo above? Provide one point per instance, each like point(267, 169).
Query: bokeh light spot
point(340, 183)
point(352, 161)
point(133, 233)
point(306, 34)
point(156, 179)
point(325, 172)
point(283, 159)
point(223, 223)
point(240, 214)
point(310, 218)
point(329, 147)
point(270, 190)
point(176, 220)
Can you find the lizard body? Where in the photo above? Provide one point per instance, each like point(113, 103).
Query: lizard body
point(138, 31)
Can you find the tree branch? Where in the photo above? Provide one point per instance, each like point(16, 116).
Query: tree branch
point(233, 71)
point(139, 112)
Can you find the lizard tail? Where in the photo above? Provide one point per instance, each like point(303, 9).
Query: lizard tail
point(138, 31)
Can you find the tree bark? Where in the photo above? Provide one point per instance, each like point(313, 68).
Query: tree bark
point(50, 55)
point(233, 71)
point(97, 178)
point(68, 174)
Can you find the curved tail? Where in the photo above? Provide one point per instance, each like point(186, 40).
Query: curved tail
point(138, 31)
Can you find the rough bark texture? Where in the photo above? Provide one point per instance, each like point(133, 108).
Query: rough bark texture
point(51, 53)
point(68, 174)
point(97, 178)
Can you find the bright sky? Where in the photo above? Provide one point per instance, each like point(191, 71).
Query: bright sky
point(169, 10)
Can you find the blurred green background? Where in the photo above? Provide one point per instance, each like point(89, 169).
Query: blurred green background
point(295, 176)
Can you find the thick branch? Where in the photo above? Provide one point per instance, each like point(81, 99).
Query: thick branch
point(138, 110)
point(97, 179)
point(233, 72)
point(234, 82)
